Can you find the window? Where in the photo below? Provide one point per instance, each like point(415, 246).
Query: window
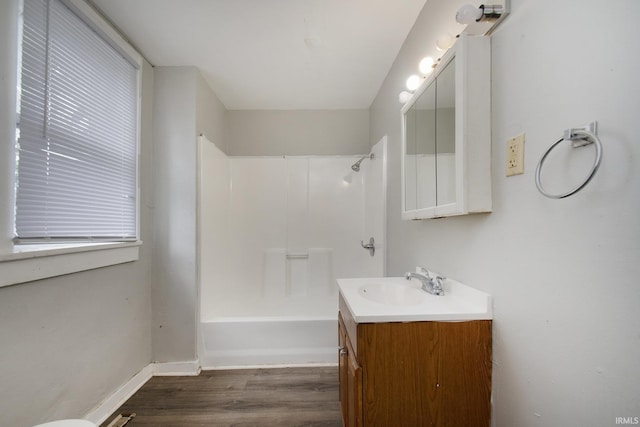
point(77, 132)
point(76, 147)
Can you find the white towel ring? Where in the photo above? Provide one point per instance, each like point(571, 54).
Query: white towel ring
point(579, 138)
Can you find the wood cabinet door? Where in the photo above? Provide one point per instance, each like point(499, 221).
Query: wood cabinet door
point(350, 377)
point(354, 388)
point(342, 370)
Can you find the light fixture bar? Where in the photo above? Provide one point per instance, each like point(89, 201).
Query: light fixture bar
point(483, 19)
point(490, 12)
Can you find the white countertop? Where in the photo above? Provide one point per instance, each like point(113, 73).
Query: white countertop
point(460, 302)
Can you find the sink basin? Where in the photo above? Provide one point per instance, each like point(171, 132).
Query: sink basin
point(396, 299)
point(393, 294)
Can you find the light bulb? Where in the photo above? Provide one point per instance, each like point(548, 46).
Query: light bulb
point(413, 82)
point(468, 14)
point(444, 42)
point(404, 97)
point(426, 65)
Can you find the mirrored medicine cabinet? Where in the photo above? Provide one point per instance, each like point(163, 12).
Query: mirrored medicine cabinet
point(446, 136)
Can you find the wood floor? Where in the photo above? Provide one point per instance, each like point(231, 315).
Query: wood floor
point(287, 397)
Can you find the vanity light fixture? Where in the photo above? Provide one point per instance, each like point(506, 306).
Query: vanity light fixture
point(469, 13)
point(479, 20)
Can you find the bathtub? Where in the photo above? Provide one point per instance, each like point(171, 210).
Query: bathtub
point(228, 342)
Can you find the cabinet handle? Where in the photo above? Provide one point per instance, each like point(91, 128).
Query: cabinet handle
point(342, 351)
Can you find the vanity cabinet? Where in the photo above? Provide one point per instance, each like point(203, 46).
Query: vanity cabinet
point(446, 136)
point(415, 374)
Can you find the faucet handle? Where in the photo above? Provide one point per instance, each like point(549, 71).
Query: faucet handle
point(438, 280)
point(426, 273)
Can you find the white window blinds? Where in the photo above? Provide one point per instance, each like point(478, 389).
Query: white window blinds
point(77, 131)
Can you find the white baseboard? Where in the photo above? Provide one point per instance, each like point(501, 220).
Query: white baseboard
point(276, 366)
point(275, 357)
point(103, 411)
point(166, 369)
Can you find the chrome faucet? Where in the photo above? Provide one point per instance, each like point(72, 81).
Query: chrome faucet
point(430, 283)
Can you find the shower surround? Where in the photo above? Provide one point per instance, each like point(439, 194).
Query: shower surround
point(274, 234)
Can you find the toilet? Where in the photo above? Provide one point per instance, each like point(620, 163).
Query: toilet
point(68, 423)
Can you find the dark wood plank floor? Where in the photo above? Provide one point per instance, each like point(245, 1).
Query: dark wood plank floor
point(287, 397)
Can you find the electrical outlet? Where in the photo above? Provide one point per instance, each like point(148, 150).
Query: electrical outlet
point(515, 155)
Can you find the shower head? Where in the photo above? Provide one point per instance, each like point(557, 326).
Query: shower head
point(356, 166)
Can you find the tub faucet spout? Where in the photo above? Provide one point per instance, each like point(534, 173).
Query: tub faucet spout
point(430, 283)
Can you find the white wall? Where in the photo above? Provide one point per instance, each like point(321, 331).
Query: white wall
point(174, 291)
point(211, 115)
point(183, 108)
point(298, 132)
point(563, 273)
point(68, 342)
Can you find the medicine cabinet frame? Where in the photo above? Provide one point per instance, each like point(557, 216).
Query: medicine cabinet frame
point(471, 58)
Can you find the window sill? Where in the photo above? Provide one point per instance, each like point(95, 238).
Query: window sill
point(34, 262)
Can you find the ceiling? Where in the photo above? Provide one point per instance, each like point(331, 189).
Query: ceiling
point(273, 54)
